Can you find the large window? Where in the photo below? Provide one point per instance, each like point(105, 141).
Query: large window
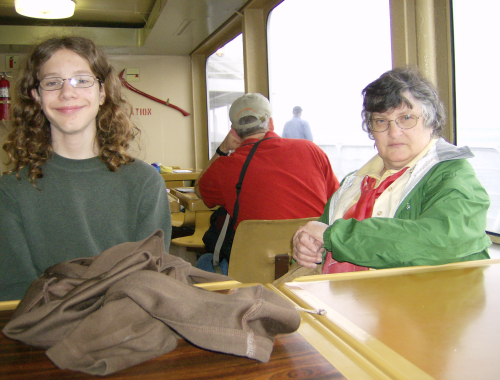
point(477, 79)
point(322, 53)
point(225, 83)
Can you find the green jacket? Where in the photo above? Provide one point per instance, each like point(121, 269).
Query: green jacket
point(442, 219)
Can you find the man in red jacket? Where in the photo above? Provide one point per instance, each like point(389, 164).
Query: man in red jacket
point(285, 179)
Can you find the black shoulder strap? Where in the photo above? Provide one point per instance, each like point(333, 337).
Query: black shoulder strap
point(232, 223)
point(242, 176)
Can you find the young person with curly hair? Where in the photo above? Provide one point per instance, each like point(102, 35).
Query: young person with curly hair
point(74, 191)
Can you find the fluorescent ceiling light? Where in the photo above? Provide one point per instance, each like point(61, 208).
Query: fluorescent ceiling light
point(50, 9)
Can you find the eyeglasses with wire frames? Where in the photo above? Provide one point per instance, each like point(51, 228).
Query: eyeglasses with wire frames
point(404, 122)
point(78, 81)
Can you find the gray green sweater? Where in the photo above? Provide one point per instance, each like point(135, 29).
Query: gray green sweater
point(80, 209)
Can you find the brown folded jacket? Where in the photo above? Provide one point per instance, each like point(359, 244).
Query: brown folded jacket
point(106, 313)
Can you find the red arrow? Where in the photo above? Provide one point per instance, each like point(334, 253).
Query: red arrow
point(130, 87)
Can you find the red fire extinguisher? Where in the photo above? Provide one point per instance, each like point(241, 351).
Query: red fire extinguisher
point(4, 96)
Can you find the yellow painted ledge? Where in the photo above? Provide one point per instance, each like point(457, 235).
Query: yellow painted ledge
point(213, 286)
point(8, 305)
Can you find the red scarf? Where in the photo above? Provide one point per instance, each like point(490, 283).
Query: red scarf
point(363, 209)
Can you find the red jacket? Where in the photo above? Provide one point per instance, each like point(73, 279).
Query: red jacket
point(286, 179)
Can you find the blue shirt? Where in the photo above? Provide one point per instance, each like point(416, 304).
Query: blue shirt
point(297, 129)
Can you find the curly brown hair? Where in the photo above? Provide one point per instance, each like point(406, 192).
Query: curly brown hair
point(29, 142)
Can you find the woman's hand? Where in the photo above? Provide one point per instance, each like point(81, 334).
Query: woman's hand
point(308, 244)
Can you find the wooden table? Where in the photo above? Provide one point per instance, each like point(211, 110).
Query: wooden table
point(439, 322)
point(292, 358)
point(201, 218)
point(177, 179)
point(190, 200)
point(174, 204)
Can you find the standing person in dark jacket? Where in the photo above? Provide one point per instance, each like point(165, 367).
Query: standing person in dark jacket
point(74, 190)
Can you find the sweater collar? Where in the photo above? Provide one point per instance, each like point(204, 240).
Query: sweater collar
point(87, 164)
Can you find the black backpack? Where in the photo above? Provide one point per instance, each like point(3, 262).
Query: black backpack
point(212, 235)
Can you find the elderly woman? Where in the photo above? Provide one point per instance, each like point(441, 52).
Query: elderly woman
point(417, 202)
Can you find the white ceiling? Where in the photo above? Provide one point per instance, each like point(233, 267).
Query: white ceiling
point(124, 26)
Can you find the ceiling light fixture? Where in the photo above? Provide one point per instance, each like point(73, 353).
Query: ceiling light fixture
point(49, 9)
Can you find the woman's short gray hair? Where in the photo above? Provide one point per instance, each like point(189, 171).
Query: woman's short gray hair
point(386, 94)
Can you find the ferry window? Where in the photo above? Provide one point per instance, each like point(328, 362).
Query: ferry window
point(320, 58)
point(225, 83)
point(477, 80)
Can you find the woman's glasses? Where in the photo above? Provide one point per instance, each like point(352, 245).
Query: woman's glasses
point(403, 122)
point(78, 81)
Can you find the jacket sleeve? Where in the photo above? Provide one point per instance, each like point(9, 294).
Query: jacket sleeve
point(442, 220)
point(16, 266)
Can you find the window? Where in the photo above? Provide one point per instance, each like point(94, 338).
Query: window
point(477, 80)
point(321, 55)
point(225, 83)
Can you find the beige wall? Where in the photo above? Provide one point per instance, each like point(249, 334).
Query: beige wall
point(167, 135)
